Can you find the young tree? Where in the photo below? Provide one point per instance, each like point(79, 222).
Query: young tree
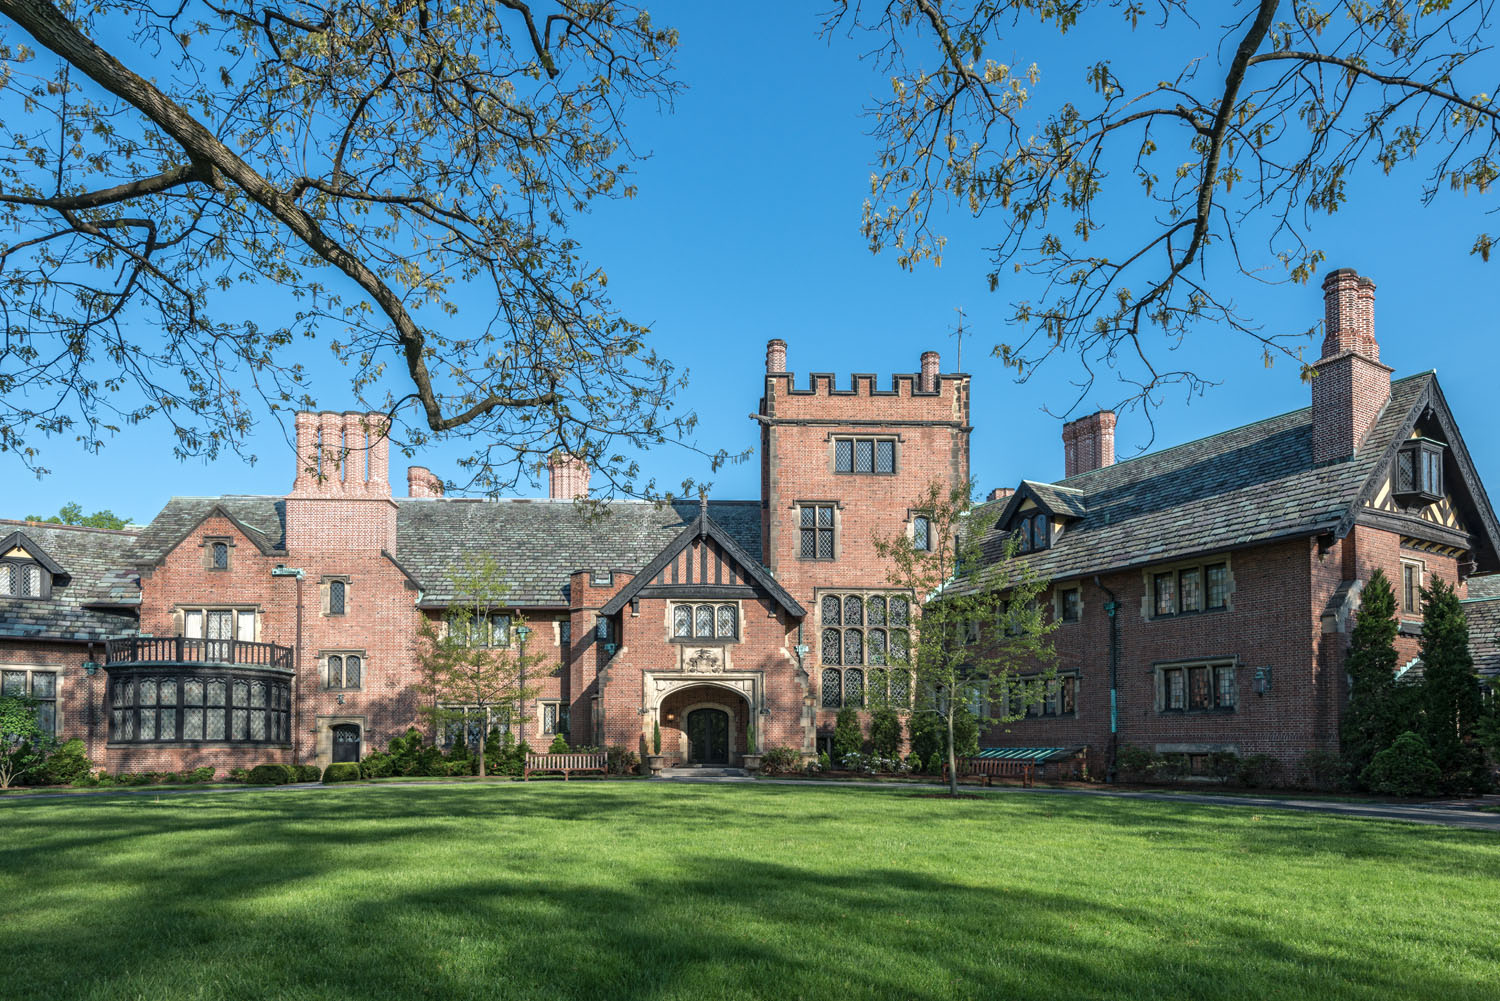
point(386, 167)
point(1372, 719)
point(848, 737)
point(472, 665)
point(24, 745)
point(1451, 703)
point(980, 644)
point(1207, 136)
point(72, 514)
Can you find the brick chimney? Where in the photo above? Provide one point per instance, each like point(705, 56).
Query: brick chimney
point(1089, 443)
point(928, 381)
point(343, 455)
point(1000, 493)
point(420, 482)
point(1350, 386)
point(775, 356)
point(567, 477)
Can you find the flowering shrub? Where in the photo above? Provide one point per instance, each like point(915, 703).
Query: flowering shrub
point(871, 763)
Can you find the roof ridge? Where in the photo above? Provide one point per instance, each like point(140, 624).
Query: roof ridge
point(71, 528)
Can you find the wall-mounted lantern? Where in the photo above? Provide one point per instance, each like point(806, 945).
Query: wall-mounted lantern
point(1263, 680)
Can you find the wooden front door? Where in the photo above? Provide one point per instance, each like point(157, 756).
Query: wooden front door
point(346, 742)
point(708, 737)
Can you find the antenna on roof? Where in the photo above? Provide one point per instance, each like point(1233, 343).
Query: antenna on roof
point(958, 332)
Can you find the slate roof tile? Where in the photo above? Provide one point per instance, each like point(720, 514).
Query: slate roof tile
point(95, 602)
point(1250, 484)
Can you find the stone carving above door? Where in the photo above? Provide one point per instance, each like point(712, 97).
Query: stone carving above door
point(705, 660)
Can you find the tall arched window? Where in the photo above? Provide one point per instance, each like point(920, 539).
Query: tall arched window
point(833, 689)
point(336, 597)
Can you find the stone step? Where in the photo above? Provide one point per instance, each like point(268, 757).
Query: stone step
point(704, 772)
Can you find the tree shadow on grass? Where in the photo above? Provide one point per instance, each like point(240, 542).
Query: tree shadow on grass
point(673, 895)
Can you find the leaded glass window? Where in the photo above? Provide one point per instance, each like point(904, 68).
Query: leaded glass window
point(10, 579)
point(900, 646)
point(854, 687)
point(832, 610)
point(900, 688)
point(1166, 593)
point(705, 621)
point(854, 646)
point(816, 526)
point(1217, 577)
point(877, 646)
point(854, 610)
point(864, 455)
point(875, 609)
point(899, 611)
point(335, 597)
point(832, 647)
point(921, 533)
point(32, 580)
point(221, 555)
point(1190, 590)
point(833, 689)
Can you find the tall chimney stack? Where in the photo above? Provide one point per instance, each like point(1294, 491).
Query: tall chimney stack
point(420, 482)
point(775, 356)
point(567, 477)
point(1350, 386)
point(928, 382)
point(1000, 493)
point(1089, 443)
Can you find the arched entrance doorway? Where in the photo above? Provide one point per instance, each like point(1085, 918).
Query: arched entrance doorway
point(708, 736)
point(346, 742)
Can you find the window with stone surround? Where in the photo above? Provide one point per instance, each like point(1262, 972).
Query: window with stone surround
point(335, 595)
point(864, 629)
point(864, 455)
point(38, 685)
point(344, 670)
point(1411, 587)
point(816, 531)
point(1196, 687)
point(705, 621)
point(921, 533)
point(200, 706)
point(551, 717)
point(1070, 604)
point(474, 723)
point(219, 623)
point(860, 688)
point(491, 629)
point(1190, 590)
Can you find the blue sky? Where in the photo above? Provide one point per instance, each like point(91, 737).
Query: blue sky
point(747, 228)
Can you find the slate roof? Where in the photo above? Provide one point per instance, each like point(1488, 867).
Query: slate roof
point(539, 543)
point(1252, 484)
point(263, 519)
point(95, 601)
point(1482, 609)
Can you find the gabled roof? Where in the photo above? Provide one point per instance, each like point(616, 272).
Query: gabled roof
point(20, 539)
point(1241, 487)
point(705, 527)
point(261, 519)
point(1053, 498)
point(539, 544)
point(93, 600)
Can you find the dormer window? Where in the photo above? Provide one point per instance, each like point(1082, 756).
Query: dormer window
point(1041, 532)
point(22, 579)
point(1419, 471)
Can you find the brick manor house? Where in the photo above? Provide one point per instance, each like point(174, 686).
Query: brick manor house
point(1204, 592)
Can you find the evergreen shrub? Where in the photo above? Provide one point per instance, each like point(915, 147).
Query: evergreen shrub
point(271, 774)
point(1405, 768)
point(343, 771)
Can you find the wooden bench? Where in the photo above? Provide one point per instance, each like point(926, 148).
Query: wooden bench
point(992, 768)
point(567, 764)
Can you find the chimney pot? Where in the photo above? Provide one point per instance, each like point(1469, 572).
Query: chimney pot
point(775, 356)
point(567, 477)
point(929, 377)
point(1089, 443)
point(420, 482)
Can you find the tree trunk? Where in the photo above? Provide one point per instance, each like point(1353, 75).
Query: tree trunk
point(952, 758)
point(484, 740)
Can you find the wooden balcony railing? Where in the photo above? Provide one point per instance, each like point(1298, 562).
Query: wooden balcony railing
point(182, 650)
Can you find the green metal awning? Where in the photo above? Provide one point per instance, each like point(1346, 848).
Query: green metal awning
point(1028, 753)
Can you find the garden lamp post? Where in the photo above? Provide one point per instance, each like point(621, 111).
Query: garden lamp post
point(522, 631)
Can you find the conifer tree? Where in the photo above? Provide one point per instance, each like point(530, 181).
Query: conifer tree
point(1370, 720)
point(1451, 704)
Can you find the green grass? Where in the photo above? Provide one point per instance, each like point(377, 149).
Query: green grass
point(613, 890)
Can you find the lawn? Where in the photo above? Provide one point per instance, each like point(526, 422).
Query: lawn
point(624, 890)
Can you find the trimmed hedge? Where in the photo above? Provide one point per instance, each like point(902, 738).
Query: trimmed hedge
point(343, 771)
point(308, 773)
point(271, 775)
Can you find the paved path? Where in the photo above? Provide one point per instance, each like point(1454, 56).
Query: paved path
point(1445, 813)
